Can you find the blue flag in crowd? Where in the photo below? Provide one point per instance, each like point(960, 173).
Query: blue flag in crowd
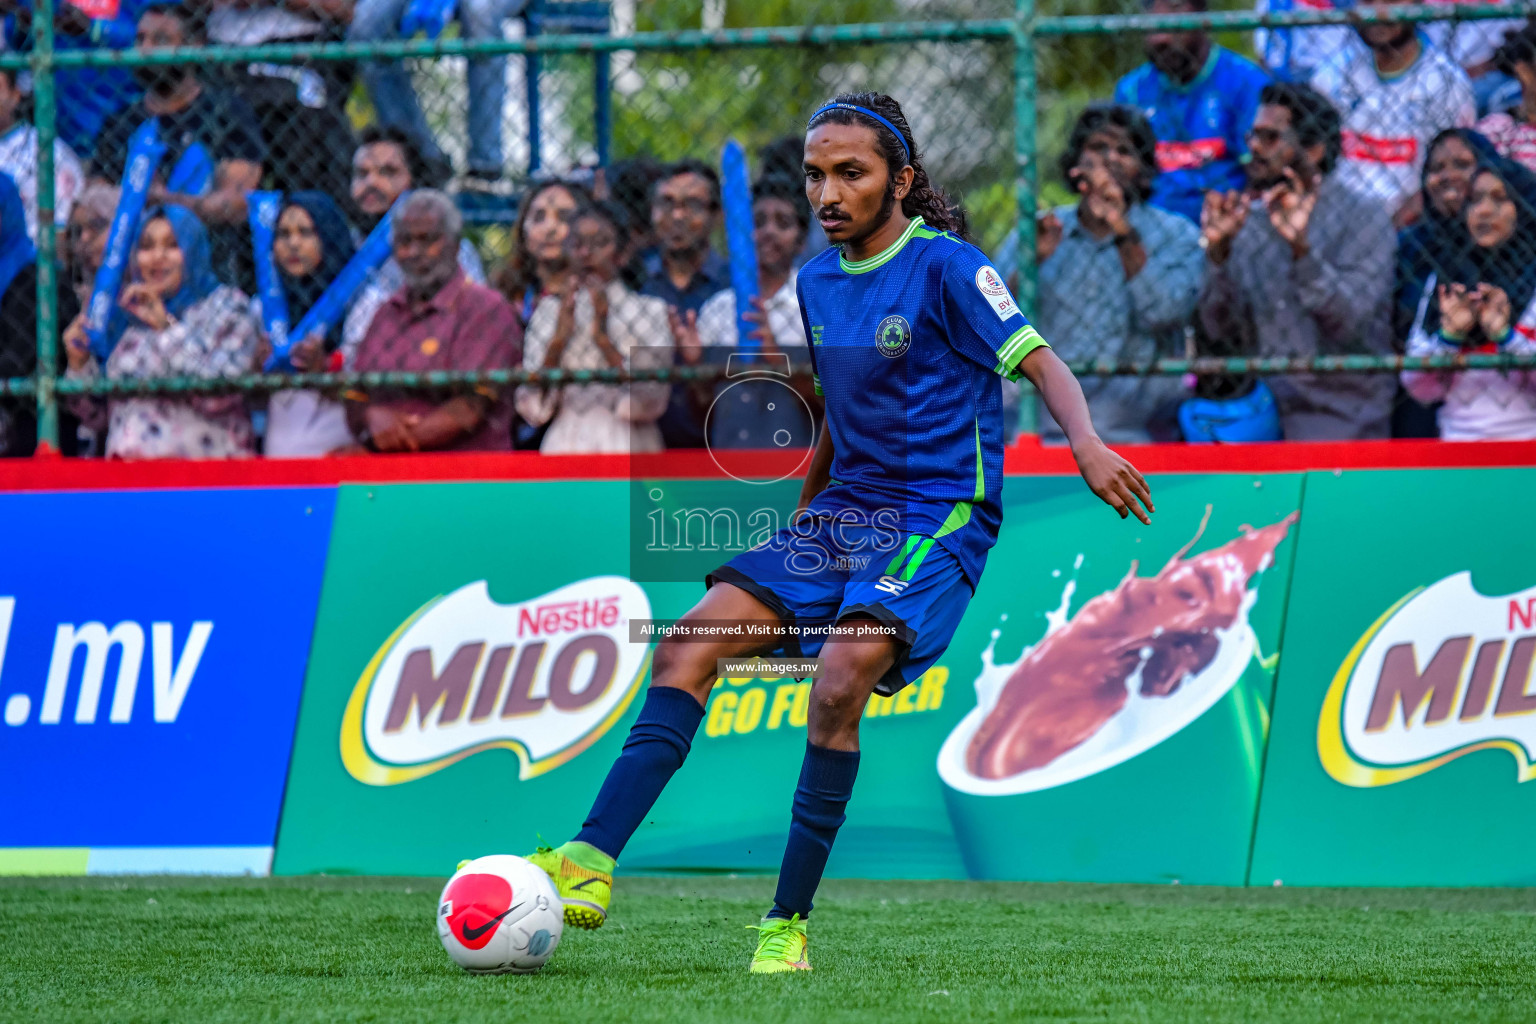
point(263, 208)
point(145, 151)
point(429, 16)
point(736, 195)
point(332, 304)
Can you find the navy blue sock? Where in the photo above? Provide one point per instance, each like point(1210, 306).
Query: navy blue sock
point(656, 747)
point(826, 783)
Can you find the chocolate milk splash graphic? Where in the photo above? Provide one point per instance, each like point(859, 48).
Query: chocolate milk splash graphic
point(1161, 630)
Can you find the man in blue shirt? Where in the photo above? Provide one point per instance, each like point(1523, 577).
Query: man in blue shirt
point(684, 272)
point(911, 329)
point(86, 97)
point(1201, 99)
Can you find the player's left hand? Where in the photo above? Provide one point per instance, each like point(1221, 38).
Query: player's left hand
point(1114, 480)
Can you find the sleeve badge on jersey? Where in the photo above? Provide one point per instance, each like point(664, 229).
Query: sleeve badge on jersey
point(992, 288)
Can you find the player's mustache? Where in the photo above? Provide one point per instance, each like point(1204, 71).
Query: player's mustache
point(831, 213)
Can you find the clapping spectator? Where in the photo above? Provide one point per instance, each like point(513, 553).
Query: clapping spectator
point(438, 320)
point(758, 412)
point(1306, 272)
point(18, 327)
point(395, 99)
point(1200, 98)
point(18, 158)
point(1513, 132)
point(685, 210)
point(1394, 95)
point(1433, 243)
point(540, 256)
point(1484, 302)
point(310, 245)
point(301, 107)
point(181, 322)
point(206, 124)
point(595, 322)
point(1119, 279)
point(385, 166)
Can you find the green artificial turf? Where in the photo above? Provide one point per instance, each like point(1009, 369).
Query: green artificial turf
point(675, 949)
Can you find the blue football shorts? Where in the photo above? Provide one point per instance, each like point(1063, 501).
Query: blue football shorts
point(824, 571)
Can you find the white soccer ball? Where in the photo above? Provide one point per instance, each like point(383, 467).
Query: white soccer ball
point(499, 914)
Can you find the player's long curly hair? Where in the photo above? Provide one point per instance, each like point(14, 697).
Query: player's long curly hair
point(924, 199)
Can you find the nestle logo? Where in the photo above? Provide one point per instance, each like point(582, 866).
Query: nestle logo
point(543, 678)
point(1443, 673)
point(568, 616)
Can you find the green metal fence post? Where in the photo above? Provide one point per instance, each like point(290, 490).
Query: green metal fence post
point(1025, 180)
point(47, 289)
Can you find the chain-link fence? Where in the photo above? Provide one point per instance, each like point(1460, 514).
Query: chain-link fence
point(1247, 220)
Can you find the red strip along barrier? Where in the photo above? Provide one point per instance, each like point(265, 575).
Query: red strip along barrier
point(1026, 456)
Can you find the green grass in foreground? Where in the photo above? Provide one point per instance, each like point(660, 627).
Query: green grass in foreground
point(332, 949)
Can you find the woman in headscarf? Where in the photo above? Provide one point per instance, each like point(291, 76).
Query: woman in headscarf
point(85, 237)
point(311, 245)
point(1483, 300)
point(182, 322)
point(18, 326)
point(594, 323)
point(1438, 237)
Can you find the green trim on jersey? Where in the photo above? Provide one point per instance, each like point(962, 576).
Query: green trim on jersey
point(1020, 344)
point(917, 547)
point(958, 517)
point(912, 541)
point(816, 383)
point(916, 560)
point(879, 259)
point(981, 479)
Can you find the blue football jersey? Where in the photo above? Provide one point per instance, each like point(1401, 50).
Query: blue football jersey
point(907, 347)
point(1201, 127)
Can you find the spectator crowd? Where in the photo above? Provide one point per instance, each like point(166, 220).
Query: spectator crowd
point(1356, 191)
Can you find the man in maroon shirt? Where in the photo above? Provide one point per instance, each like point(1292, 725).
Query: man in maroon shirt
point(439, 320)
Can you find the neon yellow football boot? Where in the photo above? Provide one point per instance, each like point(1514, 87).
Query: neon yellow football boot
point(781, 946)
point(583, 876)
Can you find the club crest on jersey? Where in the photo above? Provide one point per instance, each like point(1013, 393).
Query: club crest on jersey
point(894, 336)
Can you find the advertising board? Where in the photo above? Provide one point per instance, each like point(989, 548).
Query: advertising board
point(152, 649)
point(1403, 734)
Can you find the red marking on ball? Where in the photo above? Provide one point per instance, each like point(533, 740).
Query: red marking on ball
point(479, 904)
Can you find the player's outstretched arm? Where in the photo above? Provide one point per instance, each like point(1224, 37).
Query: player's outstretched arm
point(1108, 475)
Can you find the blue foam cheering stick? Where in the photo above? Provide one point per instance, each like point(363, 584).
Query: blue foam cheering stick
point(263, 208)
point(736, 195)
point(192, 174)
point(331, 306)
point(429, 16)
point(145, 151)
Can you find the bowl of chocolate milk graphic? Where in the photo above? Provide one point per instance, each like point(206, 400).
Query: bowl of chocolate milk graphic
point(1129, 669)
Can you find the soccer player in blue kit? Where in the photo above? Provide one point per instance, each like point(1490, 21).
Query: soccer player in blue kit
point(910, 329)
